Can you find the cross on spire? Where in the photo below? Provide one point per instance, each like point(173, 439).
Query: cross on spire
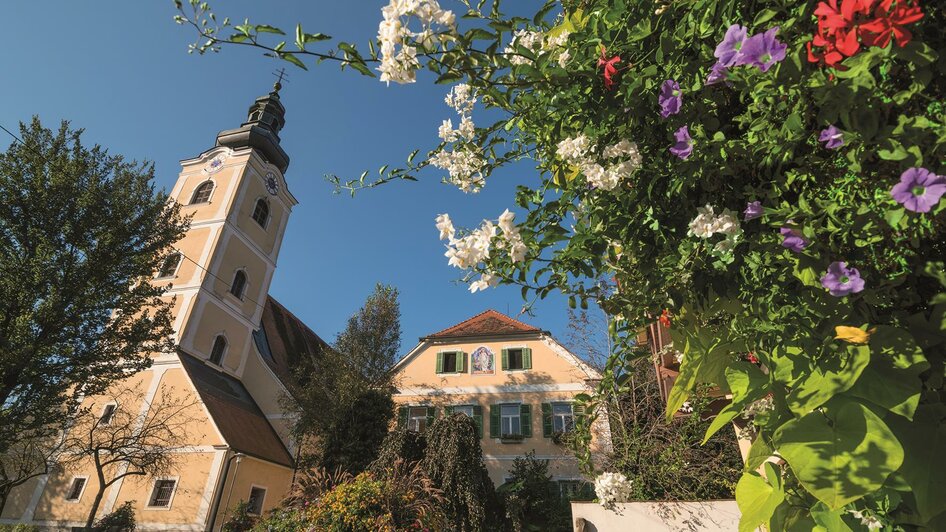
point(280, 74)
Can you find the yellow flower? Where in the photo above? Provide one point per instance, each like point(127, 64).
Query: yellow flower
point(853, 335)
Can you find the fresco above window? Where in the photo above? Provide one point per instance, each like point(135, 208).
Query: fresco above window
point(481, 361)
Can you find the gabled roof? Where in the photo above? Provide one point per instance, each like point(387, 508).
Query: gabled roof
point(489, 323)
point(235, 413)
point(283, 339)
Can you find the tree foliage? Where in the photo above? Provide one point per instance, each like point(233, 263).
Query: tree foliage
point(371, 340)
point(820, 143)
point(353, 442)
point(80, 230)
point(532, 499)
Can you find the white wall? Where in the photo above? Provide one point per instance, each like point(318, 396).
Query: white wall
point(708, 516)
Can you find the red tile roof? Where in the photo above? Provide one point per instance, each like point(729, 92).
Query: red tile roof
point(283, 339)
point(489, 323)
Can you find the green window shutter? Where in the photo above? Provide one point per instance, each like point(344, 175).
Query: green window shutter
point(578, 412)
point(439, 362)
point(461, 362)
point(525, 415)
point(431, 414)
point(547, 420)
point(478, 418)
point(494, 421)
point(526, 358)
point(402, 417)
point(505, 359)
point(447, 411)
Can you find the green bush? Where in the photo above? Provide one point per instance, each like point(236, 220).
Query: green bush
point(400, 444)
point(239, 520)
point(122, 519)
point(354, 439)
point(532, 499)
point(19, 528)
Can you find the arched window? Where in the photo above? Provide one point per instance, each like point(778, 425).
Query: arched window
point(169, 266)
point(261, 212)
point(202, 192)
point(239, 284)
point(219, 349)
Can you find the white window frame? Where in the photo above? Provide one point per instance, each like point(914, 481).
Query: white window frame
point(503, 417)
point(456, 408)
point(246, 285)
point(154, 484)
point(571, 414)
point(411, 417)
point(262, 502)
point(112, 417)
point(226, 349)
point(73, 483)
point(561, 481)
point(180, 259)
point(210, 198)
point(522, 349)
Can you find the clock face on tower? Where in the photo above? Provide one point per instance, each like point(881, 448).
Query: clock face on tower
point(215, 164)
point(272, 185)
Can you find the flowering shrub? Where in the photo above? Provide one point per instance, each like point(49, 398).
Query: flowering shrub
point(612, 488)
point(825, 124)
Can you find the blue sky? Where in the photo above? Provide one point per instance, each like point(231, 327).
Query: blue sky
point(121, 71)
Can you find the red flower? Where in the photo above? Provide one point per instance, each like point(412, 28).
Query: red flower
point(665, 318)
point(890, 22)
point(750, 356)
point(609, 69)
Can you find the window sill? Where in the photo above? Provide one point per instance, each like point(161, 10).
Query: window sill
point(511, 439)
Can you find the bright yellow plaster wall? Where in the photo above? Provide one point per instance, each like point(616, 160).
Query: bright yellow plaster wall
point(251, 471)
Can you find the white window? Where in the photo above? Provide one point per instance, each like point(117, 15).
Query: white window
point(464, 409)
point(563, 418)
point(169, 266)
point(510, 423)
point(107, 414)
point(417, 418)
point(162, 493)
point(76, 489)
point(254, 505)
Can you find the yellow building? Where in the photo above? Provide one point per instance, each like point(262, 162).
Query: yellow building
point(236, 345)
point(515, 380)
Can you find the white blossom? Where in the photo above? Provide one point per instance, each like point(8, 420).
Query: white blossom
point(398, 55)
point(573, 150)
point(726, 223)
point(686, 407)
point(445, 226)
point(612, 488)
point(467, 129)
point(703, 226)
point(506, 222)
point(464, 166)
point(871, 522)
point(623, 148)
point(564, 58)
point(486, 280)
point(517, 251)
point(446, 131)
point(461, 98)
point(530, 40)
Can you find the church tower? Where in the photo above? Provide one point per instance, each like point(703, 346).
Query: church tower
point(237, 196)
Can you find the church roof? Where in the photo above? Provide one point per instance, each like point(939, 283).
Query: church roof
point(283, 339)
point(235, 413)
point(488, 323)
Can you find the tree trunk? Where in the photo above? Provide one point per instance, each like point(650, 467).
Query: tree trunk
point(95, 508)
point(4, 493)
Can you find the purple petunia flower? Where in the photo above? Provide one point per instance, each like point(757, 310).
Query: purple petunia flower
point(718, 73)
point(841, 280)
point(793, 239)
point(728, 50)
point(832, 137)
point(670, 98)
point(753, 210)
point(919, 189)
point(684, 146)
point(762, 50)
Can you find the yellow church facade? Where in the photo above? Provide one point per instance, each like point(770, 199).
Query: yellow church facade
point(516, 381)
point(236, 348)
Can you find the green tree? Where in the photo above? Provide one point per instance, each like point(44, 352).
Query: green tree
point(82, 232)
point(371, 340)
point(532, 499)
point(342, 395)
point(454, 462)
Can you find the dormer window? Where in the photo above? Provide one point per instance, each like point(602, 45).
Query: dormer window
point(202, 193)
point(238, 287)
point(219, 349)
point(169, 266)
point(261, 212)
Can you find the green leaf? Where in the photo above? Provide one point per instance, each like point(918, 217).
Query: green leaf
point(924, 463)
point(640, 31)
point(701, 364)
point(294, 60)
point(265, 28)
point(829, 378)
point(829, 519)
point(892, 379)
point(764, 16)
point(759, 452)
point(757, 499)
point(839, 453)
point(747, 383)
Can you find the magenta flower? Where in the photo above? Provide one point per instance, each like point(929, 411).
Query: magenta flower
point(793, 239)
point(753, 210)
point(670, 98)
point(919, 189)
point(728, 50)
point(762, 50)
point(684, 145)
point(718, 73)
point(841, 280)
point(832, 137)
